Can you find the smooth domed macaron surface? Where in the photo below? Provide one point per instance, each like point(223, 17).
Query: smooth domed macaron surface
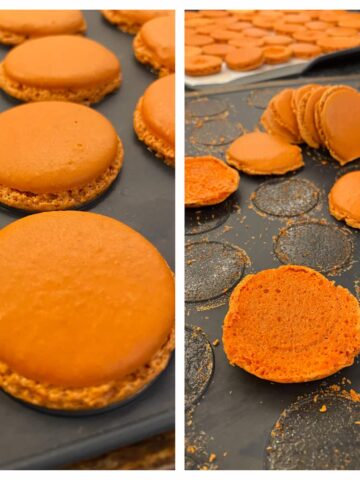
point(85, 299)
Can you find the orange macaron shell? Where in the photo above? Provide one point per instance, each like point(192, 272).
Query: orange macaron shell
point(97, 299)
point(344, 199)
point(208, 181)
point(50, 147)
point(39, 23)
point(158, 35)
point(339, 122)
point(61, 62)
point(158, 108)
point(291, 325)
point(259, 153)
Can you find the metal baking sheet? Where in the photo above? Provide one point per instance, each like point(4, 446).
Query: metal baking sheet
point(142, 197)
point(271, 72)
point(237, 412)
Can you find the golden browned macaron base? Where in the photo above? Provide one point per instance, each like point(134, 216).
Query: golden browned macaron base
point(86, 398)
point(123, 24)
point(159, 146)
point(28, 93)
point(340, 207)
point(145, 55)
point(73, 198)
point(342, 215)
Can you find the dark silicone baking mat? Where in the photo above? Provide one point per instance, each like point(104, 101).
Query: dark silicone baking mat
point(142, 197)
point(233, 419)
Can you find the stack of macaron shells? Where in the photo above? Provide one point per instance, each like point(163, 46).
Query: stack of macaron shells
point(321, 116)
point(245, 40)
point(317, 115)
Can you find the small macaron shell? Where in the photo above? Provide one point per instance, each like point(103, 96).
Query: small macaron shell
point(274, 54)
point(278, 40)
point(333, 44)
point(305, 50)
point(198, 40)
point(246, 58)
point(247, 42)
point(192, 51)
point(218, 49)
point(200, 65)
point(259, 153)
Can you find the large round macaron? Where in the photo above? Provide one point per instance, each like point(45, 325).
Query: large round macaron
point(130, 21)
point(154, 118)
point(87, 311)
point(62, 67)
point(16, 26)
point(56, 155)
point(154, 44)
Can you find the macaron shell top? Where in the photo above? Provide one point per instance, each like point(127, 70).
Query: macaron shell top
point(39, 23)
point(340, 123)
point(159, 36)
point(85, 299)
point(63, 61)
point(259, 153)
point(158, 108)
point(48, 147)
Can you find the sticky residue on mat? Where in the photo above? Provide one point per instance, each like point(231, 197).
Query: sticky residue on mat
point(211, 269)
point(317, 432)
point(357, 289)
point(201, 220)
point(199, 368)
point(199, 364)
point(215, 133)
point(286, 198)
point(316, 244)
point(260, 98)
point(198, 452)
point(205, 107)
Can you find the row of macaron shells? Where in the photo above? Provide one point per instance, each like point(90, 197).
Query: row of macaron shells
point(245, 40)
point(56, 67)
point(71, 79)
